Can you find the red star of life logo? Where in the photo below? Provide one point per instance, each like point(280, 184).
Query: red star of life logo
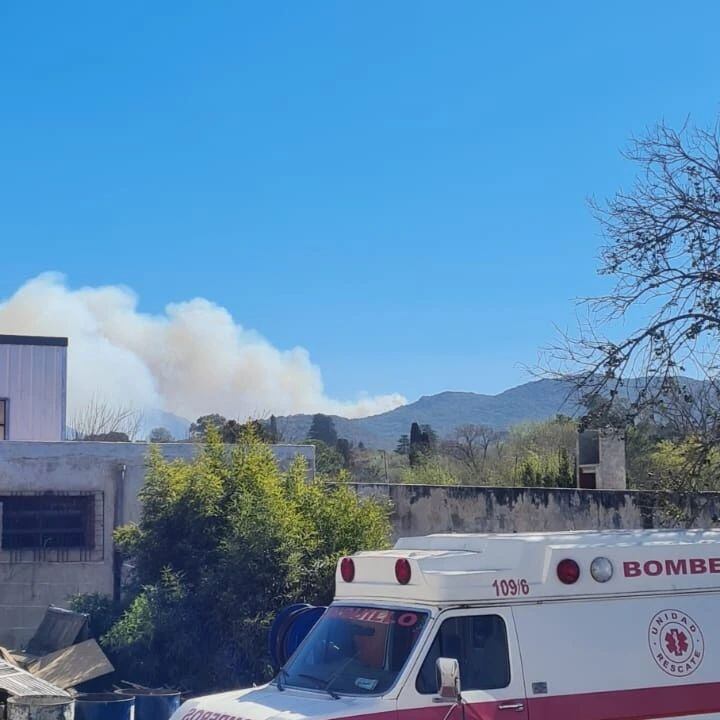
point(676, 642)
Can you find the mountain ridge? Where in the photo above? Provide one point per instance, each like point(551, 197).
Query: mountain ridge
point(532, 401)
point(444, 411)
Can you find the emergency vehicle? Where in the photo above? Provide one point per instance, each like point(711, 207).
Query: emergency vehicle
point(557, 626)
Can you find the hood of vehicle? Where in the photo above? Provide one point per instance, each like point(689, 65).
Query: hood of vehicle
point(269, 703)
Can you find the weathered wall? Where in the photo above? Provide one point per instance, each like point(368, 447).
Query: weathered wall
point(423, 509)
point(30, 580)
point(613, 471)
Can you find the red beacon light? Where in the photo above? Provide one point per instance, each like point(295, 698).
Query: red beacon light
point(403, 571)
point(568, 571)
point(347, 569)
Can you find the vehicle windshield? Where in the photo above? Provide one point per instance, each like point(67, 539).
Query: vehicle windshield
point(355, 650)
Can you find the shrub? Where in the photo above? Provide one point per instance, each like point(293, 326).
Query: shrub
point(224, 541)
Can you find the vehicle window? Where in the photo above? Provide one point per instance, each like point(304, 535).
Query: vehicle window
point(355, 650)
point(479, 644)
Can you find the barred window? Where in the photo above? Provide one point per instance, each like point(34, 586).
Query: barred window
point(47, 521)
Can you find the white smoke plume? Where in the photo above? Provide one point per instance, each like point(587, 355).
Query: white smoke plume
point(191, 360)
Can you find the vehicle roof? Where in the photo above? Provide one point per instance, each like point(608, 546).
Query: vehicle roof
point(461, 568)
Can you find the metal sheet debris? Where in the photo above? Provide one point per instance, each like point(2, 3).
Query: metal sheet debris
point(59, 628)
point(73, 665)
point(20, 683)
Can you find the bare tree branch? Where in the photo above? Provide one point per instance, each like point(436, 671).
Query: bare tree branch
point(662, 247)
point(101, 419)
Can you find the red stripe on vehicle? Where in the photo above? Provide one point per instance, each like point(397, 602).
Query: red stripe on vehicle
point(643, 704)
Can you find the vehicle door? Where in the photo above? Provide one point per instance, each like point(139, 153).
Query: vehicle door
point(484, 642)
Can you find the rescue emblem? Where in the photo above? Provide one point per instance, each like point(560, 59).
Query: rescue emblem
point(676, 642)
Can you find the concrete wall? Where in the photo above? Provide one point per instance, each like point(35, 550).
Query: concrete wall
point(602, 453)
point(30, 580)
point(423, 509)
point(33, 380)
point(613, 467)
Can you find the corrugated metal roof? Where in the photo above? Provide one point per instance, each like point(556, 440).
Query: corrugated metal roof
point(20, 683)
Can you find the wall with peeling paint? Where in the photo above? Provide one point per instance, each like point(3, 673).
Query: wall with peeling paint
point(423, 509)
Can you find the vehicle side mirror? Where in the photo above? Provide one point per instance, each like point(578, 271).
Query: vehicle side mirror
point(448, 678)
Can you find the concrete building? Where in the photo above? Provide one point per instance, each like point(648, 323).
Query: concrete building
point(33, 387)
point(59, 505)
point(601, 460)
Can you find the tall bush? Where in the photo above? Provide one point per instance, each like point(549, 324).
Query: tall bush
point(224, 541)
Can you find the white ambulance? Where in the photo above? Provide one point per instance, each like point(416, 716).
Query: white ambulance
point(556, 626)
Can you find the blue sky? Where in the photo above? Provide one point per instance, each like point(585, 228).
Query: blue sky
point(398, 187)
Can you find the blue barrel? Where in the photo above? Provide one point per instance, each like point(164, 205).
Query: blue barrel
point(153, 704)
point(104, 706)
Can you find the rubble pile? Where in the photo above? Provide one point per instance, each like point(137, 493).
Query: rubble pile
point(57, 661)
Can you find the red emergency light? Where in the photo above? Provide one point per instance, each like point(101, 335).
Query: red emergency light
point(403, 571)
point(347, 569)
point(568, 571)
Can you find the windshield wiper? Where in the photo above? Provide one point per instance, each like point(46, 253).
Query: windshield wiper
point(322, 684)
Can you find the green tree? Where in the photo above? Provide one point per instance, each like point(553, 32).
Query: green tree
point(543, 453)
point(199, 429)
point(328, 461)
point(430, 437)
point(566, 470)
point(423, 441)
point(224, 541)
point(160, 435)
point(273, 434)
point(681, 469)
point(429, 470)
point(323, 428)
point(344, 447)
point(230, 431)
point(403, 445)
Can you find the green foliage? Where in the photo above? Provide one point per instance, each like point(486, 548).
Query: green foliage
point(231, 431)
point(548, 470)
point(161, 435)
point(403, 445)
point(538, 454)
point(423, 443)
point(100, 609)
point(273, 434)
point(565, 477)
point(344, 447)
point(430, 437)
point(328, 461)
point(679, 468)
point(323, 428)
point(223, 543)
point(199, 429)
point(430, 470)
